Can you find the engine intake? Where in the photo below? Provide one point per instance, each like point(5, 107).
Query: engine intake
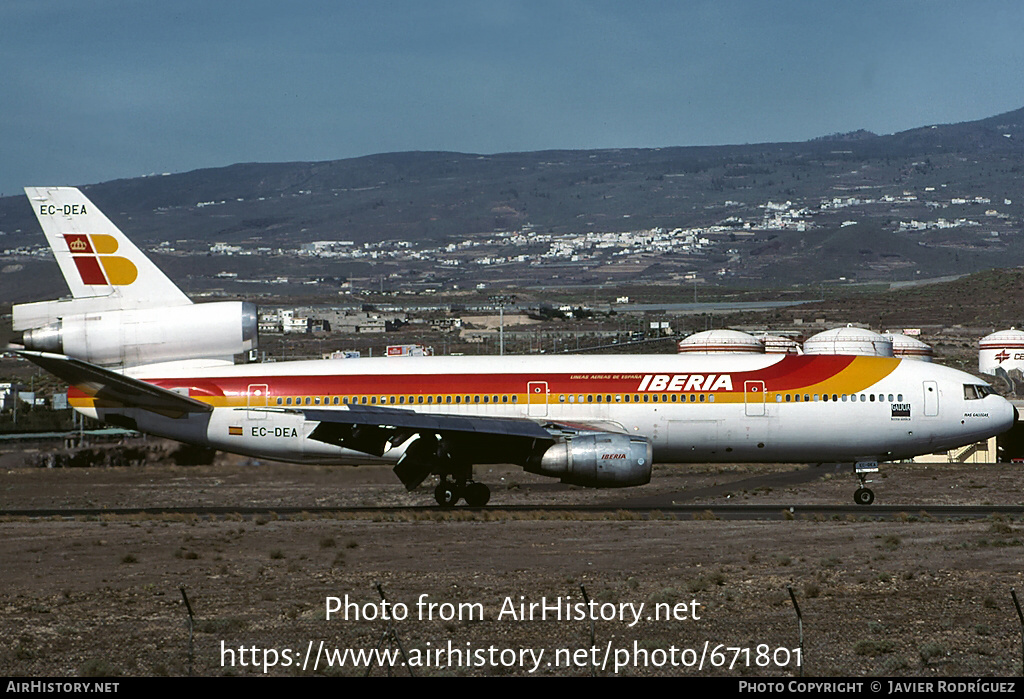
point(602, 460)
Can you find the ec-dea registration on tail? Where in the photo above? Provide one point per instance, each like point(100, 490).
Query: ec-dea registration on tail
point(138, 353)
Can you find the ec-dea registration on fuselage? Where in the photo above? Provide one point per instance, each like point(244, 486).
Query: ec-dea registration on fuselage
point(138, 353)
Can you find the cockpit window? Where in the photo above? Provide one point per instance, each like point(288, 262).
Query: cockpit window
point(976, 391)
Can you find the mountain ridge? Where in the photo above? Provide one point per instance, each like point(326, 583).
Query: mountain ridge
point(443, 196)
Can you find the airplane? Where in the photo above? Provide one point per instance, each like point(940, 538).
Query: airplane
point(139, 354)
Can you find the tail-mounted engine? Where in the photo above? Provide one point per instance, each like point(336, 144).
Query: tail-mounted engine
point(602, 460)
point(132, 337)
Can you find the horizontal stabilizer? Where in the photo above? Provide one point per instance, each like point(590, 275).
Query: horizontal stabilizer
point(116, 389)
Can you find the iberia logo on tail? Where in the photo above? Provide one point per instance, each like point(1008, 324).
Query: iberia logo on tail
point(96, 263)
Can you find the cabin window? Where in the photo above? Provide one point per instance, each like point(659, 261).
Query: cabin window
point(618, 398)
point(504, 399)
point(590, 398)
point(486, 399)
point(701, 397)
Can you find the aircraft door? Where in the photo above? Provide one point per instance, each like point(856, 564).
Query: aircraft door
point(931, 399)
point(537, 398)
point(754, 392)
point(257, 398)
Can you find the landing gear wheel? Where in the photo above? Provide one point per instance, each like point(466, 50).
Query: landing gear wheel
point(447, 494)
point(477, 494)
point(863, 496)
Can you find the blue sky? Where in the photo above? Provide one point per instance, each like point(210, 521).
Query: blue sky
point(92, 91)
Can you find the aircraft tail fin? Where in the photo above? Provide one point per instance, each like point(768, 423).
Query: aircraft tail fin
point(95, 257)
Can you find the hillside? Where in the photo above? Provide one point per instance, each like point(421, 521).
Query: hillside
point(848, 201)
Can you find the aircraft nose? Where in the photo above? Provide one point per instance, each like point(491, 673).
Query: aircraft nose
point(1009, 416)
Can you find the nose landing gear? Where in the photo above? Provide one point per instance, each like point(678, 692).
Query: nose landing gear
point(864, 495)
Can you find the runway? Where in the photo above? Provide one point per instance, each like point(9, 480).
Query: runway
point(674, 511)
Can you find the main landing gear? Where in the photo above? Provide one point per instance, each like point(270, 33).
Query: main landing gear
point(864, 495)
point(448, 493)
point(428, 454)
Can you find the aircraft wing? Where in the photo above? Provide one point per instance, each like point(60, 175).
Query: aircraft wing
point(429, 438)
point(408, 419)
point(116, 389)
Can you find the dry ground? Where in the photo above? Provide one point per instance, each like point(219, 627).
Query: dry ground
point(911, 597)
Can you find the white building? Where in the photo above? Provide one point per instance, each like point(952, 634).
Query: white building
point(849, 340)
point(1001, 350)
point(720, 342)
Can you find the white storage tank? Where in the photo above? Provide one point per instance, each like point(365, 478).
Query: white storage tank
point(849, 340)
point(906, 347)
point(1001, 350)
point(777, 344)
point(720, 342)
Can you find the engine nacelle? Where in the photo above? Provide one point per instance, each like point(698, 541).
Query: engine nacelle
point(151, 335)
point(602, 460)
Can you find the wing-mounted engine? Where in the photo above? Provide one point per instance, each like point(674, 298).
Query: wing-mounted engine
point(131, 337)
point(596, 460)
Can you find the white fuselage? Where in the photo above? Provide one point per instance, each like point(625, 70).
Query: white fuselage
point(756, 408)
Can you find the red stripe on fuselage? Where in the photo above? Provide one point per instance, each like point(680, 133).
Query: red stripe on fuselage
point(790, 373)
